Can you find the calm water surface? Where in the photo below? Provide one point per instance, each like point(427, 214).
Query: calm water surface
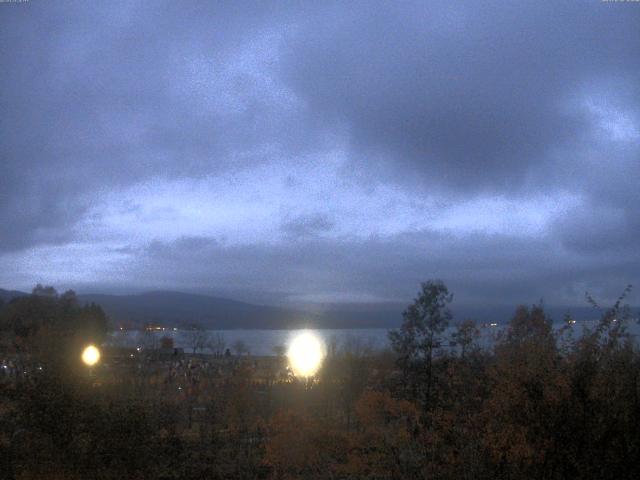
point(263, 342)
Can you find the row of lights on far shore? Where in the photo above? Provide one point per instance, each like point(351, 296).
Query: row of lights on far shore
point(156, 329)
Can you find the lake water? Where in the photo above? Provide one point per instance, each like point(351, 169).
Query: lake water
point(263, 342)
point(258, 342)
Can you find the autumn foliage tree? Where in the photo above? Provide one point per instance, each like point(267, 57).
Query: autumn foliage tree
point(385, 445)
point(529, 393)
point(300, 446)
point(418, 336)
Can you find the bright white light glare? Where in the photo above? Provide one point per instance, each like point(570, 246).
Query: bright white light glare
point(305, 354)
point(90, 355)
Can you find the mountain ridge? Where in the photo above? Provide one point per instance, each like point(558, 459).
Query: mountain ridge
point(181, 309)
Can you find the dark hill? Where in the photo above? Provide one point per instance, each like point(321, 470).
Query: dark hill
point(171, 308)
point(175, 308)
point(7, 295)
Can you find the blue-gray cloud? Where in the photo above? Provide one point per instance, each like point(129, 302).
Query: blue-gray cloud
point(322, 148)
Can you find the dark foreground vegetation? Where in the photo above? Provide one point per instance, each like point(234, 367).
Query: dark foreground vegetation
point(539, 404)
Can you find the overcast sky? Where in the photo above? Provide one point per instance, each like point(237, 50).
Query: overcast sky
point(318, 151)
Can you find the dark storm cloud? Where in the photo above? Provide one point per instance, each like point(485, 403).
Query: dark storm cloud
point(472, 95)
point(438, 103)
point(484, 97)
point(99, 96)
point(599, 231)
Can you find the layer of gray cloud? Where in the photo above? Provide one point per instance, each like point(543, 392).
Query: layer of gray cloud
point(435, 102)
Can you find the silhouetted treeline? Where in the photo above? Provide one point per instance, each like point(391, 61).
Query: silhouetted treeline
point(539, 404)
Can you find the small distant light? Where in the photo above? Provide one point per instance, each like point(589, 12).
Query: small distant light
point(138, 348)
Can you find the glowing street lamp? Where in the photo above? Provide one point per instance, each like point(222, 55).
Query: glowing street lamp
point(306, 352)
point(90, 355)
